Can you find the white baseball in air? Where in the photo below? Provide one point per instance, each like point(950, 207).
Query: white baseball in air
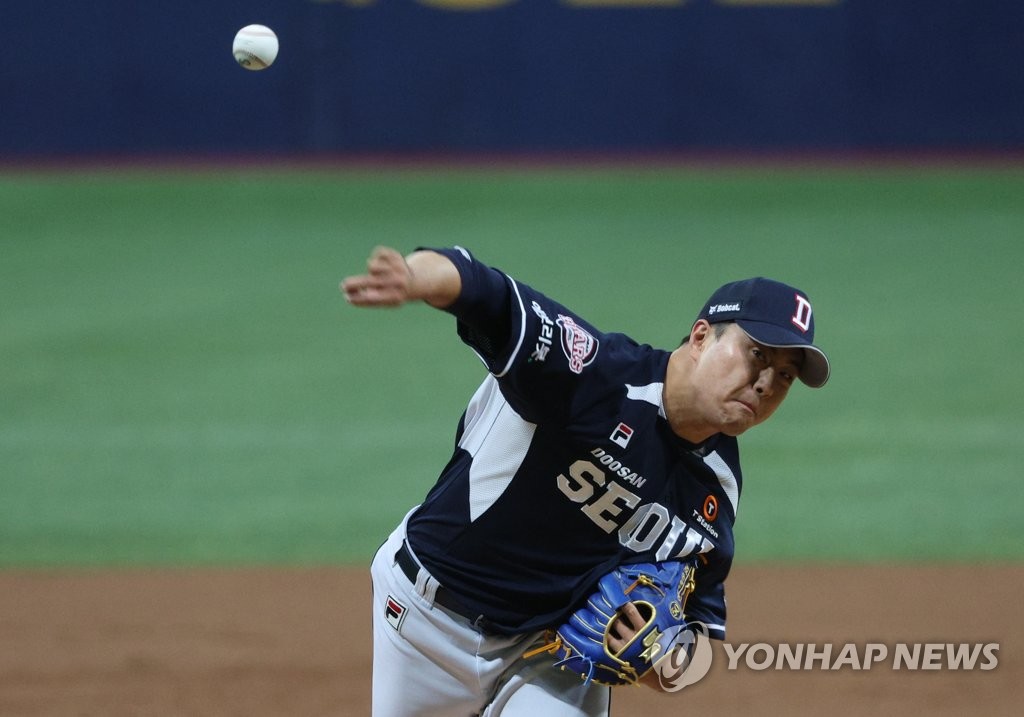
point(255, 47)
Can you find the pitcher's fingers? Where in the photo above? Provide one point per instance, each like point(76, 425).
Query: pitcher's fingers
point(366, 291)
point(375, 296)
point(630, 623)
point(385, 260)
point(354, 284)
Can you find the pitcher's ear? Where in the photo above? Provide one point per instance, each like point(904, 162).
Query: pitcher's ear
point(700, 333)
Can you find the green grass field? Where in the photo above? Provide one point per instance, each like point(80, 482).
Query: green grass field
point(181, 383)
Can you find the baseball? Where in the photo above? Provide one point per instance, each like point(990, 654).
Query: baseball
point(255, 47)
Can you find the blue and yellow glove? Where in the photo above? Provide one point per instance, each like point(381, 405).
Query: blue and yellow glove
point(582, 645)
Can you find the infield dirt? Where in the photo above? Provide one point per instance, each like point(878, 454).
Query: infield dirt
point(295, 643)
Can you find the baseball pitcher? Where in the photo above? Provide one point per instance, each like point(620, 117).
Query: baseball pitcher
point(585, 518)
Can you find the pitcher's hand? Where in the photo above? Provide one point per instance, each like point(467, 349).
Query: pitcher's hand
point(388, 281)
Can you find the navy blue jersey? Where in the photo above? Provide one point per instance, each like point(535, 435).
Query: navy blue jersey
point(565, 467)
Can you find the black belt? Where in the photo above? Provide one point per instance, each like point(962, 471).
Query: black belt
point(442, 596)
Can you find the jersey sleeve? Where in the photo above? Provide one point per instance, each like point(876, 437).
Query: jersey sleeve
point(707, 602)
point(483, 307)
point(541, 352)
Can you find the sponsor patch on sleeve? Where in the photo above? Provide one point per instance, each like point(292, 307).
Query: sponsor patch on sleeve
point(578, 344)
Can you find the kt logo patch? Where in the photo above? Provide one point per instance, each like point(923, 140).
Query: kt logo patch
point(394, 612)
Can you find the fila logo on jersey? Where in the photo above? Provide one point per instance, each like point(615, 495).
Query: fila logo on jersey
point(802, 317)
point(394, 612)
point(578, 344)
point(621, 435)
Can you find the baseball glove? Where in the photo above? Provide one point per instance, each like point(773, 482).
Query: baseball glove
point(659, 591)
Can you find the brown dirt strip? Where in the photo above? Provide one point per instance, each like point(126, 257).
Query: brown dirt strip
point(296, 642)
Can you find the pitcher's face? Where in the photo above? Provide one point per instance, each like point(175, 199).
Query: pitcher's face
point(740, 382)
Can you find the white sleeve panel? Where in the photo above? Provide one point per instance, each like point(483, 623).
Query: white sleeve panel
point(498, 439)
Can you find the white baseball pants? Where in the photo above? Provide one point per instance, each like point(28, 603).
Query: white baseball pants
point(430, 662)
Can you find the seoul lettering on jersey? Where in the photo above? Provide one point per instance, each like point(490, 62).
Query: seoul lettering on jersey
point(612, 506)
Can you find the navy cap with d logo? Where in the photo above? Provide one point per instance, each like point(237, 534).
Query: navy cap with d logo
point(773, 314)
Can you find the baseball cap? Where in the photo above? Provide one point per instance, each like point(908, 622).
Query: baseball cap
point(773, 314)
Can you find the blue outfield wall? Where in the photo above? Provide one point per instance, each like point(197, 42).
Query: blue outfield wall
point(123, 77)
